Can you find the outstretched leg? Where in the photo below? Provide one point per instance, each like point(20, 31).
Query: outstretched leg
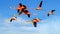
point(20, 12)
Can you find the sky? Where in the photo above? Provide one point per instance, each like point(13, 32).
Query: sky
point(49, 25)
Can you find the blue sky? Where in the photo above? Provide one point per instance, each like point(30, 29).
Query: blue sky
point(49, 25)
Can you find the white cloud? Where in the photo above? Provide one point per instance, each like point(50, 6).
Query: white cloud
point(51, 27)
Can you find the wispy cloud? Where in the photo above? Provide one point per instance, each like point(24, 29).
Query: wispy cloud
point(51, 27)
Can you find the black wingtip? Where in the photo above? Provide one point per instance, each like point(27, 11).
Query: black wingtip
point(11, 20)
point(35, 24)
point(20, 4)
point(48, 14)
point(53, 10)
point(29, 15)
point(40, 3)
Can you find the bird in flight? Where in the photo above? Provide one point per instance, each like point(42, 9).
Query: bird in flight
point(20, 7)
point(39, 7)
point(50, 13)
point(35, 21)
point(13, 18)
point(23, 9)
